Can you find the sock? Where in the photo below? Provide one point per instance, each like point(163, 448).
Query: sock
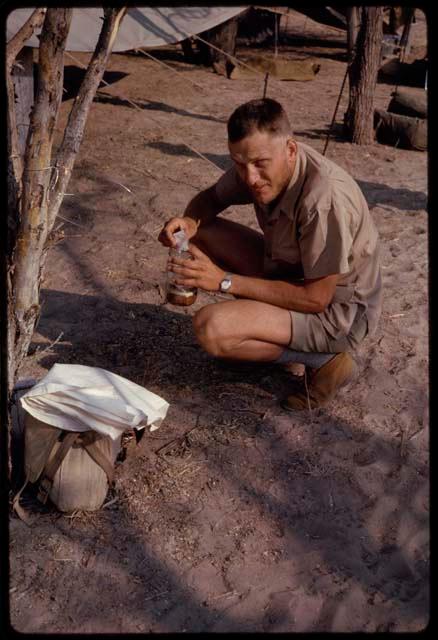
point(308, 358)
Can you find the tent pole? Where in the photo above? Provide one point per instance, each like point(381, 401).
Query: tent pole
point(335, 112)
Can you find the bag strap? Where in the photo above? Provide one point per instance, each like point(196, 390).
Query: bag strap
point(101, 459)
point(89, 440)
point(53, 465)
point(16, 506)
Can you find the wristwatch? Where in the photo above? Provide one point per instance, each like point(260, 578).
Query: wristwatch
point(225, 283)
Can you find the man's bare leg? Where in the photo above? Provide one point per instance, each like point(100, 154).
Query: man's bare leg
point(243, 330)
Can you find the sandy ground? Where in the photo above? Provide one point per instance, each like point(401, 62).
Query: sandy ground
point(256, 520)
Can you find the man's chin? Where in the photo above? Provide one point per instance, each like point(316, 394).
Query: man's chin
point(263, 197)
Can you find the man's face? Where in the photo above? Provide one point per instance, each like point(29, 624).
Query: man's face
point(265, 163)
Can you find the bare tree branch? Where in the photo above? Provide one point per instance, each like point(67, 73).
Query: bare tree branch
point(78, 116)
point(13, 48)
point(14, 156)
point(17, 42)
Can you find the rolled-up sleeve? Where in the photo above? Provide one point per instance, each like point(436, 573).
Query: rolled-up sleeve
point(325, 241)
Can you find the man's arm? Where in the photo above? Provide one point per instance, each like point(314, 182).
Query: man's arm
point(204, 207)
point(312, 296)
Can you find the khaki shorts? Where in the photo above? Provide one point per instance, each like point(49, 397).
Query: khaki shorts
point(310, 332)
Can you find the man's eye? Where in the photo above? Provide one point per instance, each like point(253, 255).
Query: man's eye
point(261, 163)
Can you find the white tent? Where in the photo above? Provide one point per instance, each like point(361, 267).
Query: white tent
point(141, 26)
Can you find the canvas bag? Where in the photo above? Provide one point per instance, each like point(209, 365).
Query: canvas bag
point(74, 421)
point(73, 469)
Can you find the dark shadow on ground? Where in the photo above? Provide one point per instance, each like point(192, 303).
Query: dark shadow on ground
point(336, 134)
point(125, 337)
point(73, 77)
point(151, 105)
point(154, 346)
point(378, 194)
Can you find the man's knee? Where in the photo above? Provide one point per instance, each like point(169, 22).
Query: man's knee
point(210, 331)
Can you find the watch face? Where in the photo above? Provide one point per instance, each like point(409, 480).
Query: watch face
point(225, 284)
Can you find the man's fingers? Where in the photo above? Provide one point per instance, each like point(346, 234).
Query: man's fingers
point(195, 251)
point(189, 271)
point(186, 282)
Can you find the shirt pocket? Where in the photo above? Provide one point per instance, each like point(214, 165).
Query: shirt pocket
point(284, 244)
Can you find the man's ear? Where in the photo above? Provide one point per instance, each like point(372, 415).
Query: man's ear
point(291, 148)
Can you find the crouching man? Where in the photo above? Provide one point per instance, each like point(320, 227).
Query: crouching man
point(308, 288)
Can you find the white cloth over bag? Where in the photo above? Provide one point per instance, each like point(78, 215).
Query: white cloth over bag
point(75, 397)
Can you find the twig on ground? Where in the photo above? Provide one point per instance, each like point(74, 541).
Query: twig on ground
point(145, 171)
point(122, 185)
point(76, 224)
point(156, 595)
point(52, 344)
point(331, 501)
point(402, 446)
point(64, 559)
point(181, 473)
point(23, 593)
point(110, 502)
point(415, 434)
point(169, 445)
point(225, 595)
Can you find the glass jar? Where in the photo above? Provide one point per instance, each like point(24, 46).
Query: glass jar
point(177, 293)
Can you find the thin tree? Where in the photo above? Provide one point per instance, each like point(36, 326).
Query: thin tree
point(363, 70)
point(37, 180)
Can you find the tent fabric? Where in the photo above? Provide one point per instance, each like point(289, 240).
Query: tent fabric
point(141, 26)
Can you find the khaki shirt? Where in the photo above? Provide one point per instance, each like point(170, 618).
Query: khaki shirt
point(321, 226)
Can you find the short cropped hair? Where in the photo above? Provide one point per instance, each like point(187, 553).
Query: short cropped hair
point(264, 114)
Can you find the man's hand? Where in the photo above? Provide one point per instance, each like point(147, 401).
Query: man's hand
point(200, 272)
point(176, 224)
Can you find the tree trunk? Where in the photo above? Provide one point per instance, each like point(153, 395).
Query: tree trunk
point(35, 200)
point(363, 77)
point(33, 230)
point(353, 23)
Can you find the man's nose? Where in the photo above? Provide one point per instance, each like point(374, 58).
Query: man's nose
point(251, 175)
